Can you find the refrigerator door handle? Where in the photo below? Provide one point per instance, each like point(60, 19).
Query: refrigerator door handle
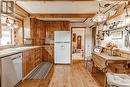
point(62, 46)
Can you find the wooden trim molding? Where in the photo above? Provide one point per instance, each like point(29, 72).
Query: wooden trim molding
point(20, 11)
point(85, 15)
point(58, 0)
point(80, 21)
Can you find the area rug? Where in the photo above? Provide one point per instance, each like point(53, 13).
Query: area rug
point(41, 71)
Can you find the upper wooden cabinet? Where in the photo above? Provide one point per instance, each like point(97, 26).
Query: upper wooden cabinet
point(39, 29)
point(57, 25)
point(33, 28)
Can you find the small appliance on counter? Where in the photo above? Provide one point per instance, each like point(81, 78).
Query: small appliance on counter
point(98, 49)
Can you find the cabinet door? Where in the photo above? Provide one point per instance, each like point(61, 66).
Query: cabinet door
point(31, 59)
point(27, 62)
point(27, 27)
point(24, 60)
point(45, 55)
point(42, 30)
point(33, 25)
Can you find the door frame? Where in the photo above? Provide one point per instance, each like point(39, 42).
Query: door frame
point(84, 41)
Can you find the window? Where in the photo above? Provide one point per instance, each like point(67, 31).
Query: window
point(12, 31)
point(6, 36)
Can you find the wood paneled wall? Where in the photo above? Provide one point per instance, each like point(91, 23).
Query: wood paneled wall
point(57, 25)
point(40, 27)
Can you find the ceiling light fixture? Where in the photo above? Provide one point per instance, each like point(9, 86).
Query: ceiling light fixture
point(127, 16)
point(15, 24)
point(100, 16)
point(8, 22)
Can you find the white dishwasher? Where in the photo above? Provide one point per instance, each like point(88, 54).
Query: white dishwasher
point(11, 70)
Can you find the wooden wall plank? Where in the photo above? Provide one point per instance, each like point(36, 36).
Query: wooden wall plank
point(85, 15)
point(58, 0)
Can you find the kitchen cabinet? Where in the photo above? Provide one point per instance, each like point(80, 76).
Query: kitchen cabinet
point(57, 25)
point(52, 26)
point(48, 53)
point(33, 30)
point(41, 30)
point(37, 56)
point(38, 31)
point(31, 59)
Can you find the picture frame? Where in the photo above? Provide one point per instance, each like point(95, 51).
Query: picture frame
point(7, 7)
point(116, 34)
point(74, 37)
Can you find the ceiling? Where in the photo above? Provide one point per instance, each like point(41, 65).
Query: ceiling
point(62, 7)
point(56, 7)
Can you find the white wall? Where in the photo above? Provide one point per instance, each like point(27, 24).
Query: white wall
point(88, 45)
point(119, 42)
point(88, 48)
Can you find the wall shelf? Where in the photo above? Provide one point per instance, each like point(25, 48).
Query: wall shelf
point(119, 28)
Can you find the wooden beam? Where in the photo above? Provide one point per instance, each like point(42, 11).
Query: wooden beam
point(21, 12)
point(87, 15)
point(57, 0)
point(72, 0)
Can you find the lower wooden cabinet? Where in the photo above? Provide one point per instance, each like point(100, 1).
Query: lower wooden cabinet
point(31, 59)
point(48, 54)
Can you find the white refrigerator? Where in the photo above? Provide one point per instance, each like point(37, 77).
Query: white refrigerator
point(62, 47)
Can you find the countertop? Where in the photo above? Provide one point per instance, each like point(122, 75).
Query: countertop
point(46, 45)
point(11, 51)
point(110, 58)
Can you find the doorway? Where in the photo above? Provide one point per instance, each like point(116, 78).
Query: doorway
point(78, 43)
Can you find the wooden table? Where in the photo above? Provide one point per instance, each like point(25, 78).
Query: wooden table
point(102, 61)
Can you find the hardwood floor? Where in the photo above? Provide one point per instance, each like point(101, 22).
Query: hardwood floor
point(74, 75)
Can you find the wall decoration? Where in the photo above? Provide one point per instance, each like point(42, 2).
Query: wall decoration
point(74, 37)
point(116, 34)
point(50, 35)
point(7, 7)
point(127, 40)
point(115, 24)
point(101, 35)
point(79, 38)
